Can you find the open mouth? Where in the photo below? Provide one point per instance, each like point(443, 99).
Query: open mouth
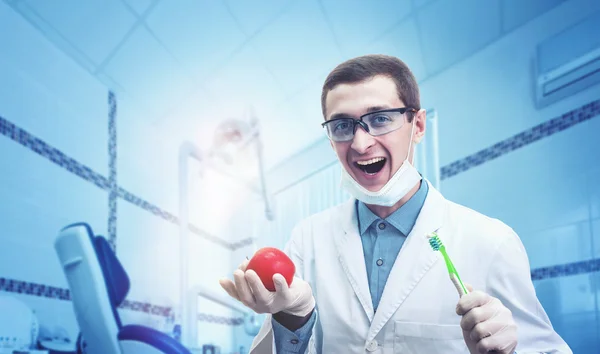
point(371, 166)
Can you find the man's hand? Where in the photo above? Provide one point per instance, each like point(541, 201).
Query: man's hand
point(296, 299)
point(487, 325)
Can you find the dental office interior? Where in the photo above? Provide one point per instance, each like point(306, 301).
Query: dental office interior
point(166, 141)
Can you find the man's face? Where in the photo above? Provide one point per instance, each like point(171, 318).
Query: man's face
point(385, 153)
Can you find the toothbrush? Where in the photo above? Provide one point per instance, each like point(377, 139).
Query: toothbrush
point(437, 245)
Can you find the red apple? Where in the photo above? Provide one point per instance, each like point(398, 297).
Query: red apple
point(269, 261)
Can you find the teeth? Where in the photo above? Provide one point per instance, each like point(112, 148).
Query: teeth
point(368, 162)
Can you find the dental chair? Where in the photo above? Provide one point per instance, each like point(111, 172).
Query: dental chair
point(98, 285)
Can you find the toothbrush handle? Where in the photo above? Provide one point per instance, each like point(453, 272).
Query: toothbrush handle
point(460, 287)
point(458, 284)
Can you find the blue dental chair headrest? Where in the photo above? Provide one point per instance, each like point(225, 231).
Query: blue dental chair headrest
point(115, 276)
point(117, 281)
point(71, 248)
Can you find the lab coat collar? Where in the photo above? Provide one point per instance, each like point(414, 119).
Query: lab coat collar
point(351, 257)
point(413, 261)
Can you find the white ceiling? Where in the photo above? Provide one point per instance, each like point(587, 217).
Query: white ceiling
point(216, 56)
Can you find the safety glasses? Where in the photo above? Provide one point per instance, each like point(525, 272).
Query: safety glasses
point(375, 123)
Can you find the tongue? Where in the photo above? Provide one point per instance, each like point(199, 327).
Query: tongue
point(374, 167)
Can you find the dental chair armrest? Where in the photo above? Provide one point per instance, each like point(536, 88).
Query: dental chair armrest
point(153, 338)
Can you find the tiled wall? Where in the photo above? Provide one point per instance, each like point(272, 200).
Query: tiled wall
point(526, 137)
point(35, 144)
point(51, 292)
point(66, 146)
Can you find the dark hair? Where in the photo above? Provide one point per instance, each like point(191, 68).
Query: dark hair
point(365, 67)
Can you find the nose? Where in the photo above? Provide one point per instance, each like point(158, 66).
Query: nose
point(362, 140)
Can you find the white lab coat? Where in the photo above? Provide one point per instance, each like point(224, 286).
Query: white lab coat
point(416, 313)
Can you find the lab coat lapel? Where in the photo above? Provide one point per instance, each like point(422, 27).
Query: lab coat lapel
point(351, 257)
point(414, 260)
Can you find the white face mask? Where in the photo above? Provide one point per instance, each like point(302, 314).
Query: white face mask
point(395, 189)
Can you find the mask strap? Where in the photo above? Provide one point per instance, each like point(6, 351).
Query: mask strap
point(412, 130)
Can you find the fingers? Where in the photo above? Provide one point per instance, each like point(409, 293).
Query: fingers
point(472, 300)
point(483, 345)
point(281, 286)
point(487, 324)
point(486, 329)
point(478, 315)
point(244, 265)
point(229, 287)
point(261, 294)
point(240, 289)
point(503, 344)
point(243, 289)
point(469, 287)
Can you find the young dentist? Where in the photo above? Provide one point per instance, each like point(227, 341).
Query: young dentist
point(367, 280)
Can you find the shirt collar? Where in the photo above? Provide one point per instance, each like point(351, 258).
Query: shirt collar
point(402, 219)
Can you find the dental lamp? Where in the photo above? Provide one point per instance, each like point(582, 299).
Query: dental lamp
point(233, 138)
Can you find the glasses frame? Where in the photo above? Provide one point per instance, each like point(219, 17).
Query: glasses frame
point(360, 122)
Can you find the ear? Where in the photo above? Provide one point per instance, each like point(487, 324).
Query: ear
point(420, 125)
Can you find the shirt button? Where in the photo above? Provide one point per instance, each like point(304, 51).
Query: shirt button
point(372, 346)
point(294, 341)
point(380, 262)
point(381, 226)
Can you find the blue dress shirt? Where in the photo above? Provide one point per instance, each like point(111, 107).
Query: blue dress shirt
point(383, 238)
point(381, 242)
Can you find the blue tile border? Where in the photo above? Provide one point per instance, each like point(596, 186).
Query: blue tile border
point(139, 202)
point(241, 243)
point(43, 149)
point(146, 308)
point(563, 270)
point(112, 168)
point(157, 211)
point(22, 287)
point(527, 137)
point(202, 317)
point(52, 292)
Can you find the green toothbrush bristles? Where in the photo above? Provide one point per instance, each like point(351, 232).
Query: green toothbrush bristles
point(437, 245)
point(435, 242)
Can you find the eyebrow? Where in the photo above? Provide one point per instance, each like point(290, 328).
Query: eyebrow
point(369, 110)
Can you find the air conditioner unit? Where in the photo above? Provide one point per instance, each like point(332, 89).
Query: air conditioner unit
point(568, 62)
